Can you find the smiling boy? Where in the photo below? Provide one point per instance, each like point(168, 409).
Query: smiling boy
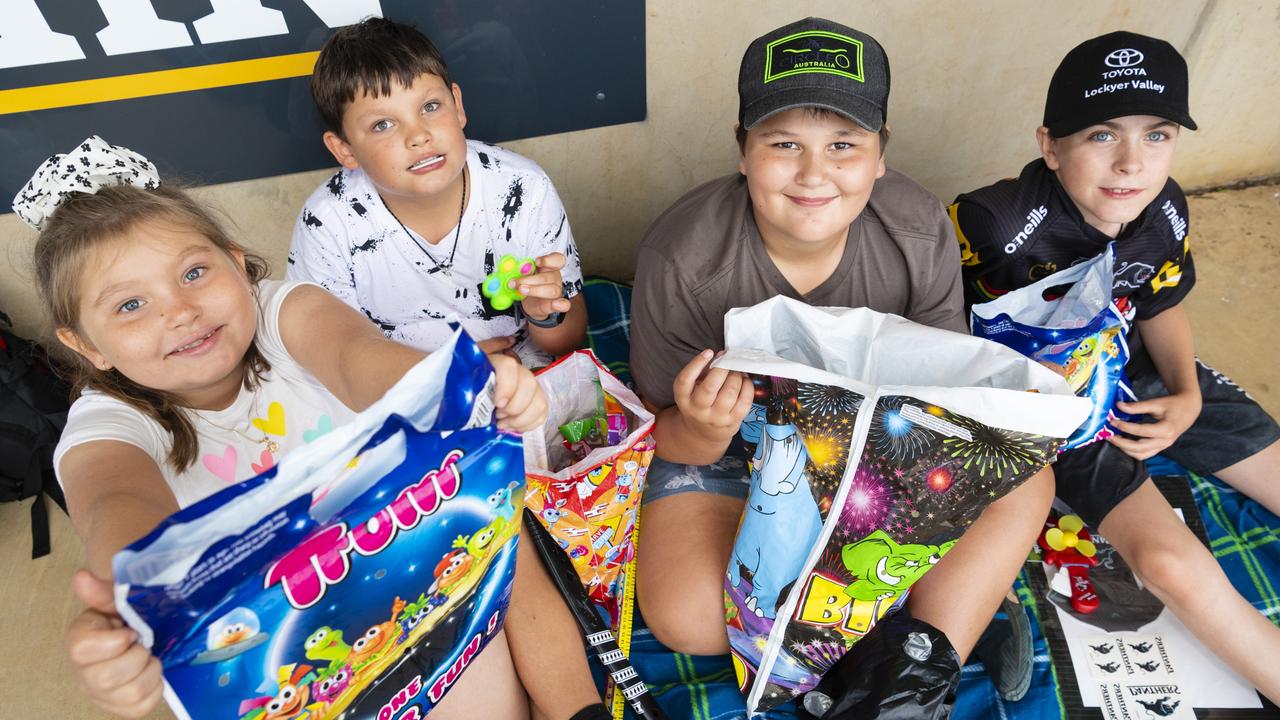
point(813, 214)
point(1112, 118)
point(408, 230)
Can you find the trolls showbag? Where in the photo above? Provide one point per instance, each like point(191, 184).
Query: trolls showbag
point(874, 442)
point(357, 579)
point(1082, 330)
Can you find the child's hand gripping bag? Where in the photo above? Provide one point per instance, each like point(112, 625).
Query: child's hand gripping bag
point(1083, 331)
point(356, 579)
point(874, 443)
point(588, 494)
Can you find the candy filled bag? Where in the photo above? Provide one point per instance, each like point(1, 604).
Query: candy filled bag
point(357, 578)
point(873, 443)
point(586, 472)
point(1070, 319)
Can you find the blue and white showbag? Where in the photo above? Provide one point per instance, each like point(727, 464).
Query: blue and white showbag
point(1083, 331)
point(356, 579)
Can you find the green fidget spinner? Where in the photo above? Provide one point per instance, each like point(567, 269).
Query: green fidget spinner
point(496, 284)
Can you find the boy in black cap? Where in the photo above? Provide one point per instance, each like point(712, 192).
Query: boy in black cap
point(812, 214)
point(1111, 123)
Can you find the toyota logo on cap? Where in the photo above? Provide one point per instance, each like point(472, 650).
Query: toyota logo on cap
point(1124, 57)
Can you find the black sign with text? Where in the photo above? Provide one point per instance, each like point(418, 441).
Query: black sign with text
point(216, 90)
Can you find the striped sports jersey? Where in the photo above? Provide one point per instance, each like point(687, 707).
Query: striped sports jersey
point(1020, 230)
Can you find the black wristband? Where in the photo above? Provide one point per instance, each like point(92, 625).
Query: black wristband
point(550, 321)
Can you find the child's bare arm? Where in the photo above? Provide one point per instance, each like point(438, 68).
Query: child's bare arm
point(1167, 337)
point(358, 365)
point(115, 494)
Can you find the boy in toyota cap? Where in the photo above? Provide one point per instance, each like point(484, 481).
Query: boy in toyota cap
point(1115, 109)
point(812, 214)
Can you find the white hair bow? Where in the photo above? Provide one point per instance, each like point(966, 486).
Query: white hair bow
point(93, 165)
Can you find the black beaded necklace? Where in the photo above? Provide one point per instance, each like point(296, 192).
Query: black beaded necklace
point(445, 268)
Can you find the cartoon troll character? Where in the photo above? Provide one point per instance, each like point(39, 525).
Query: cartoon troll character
point(328, 689)
point(376, 641)
point(479, 544)
point(500, 501)
point(326, 644)
point(453, 569)
point(884, 568)
point(289, 702)
point(414, 615)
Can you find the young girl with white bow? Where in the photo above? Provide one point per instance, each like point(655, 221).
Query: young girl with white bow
point(195, 371)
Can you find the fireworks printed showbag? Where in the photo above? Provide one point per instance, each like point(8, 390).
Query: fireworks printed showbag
point(1083, 330)
point(356, 579)
point(874, 443)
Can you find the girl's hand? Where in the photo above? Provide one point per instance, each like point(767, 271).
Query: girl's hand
point(544, 290)
point(118, 674)
point(518, 399)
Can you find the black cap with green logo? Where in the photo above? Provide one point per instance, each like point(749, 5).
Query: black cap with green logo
point(814, 62)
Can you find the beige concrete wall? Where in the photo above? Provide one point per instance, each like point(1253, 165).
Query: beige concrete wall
point(968, 90)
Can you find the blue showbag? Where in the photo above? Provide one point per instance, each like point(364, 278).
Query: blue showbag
point(357, 578)
point(1084, 331)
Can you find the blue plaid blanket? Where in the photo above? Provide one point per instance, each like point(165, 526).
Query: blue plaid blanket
point(1243, 535)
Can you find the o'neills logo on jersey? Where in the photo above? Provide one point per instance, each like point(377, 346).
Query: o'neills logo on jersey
point(1176, 223)
point(1034, 218)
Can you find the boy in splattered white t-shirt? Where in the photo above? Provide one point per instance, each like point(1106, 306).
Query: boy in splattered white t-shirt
point(417, 218)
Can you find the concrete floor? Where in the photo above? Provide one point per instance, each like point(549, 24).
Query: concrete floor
point(1235, 235)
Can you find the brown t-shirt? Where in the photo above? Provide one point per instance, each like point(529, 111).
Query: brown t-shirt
point(704, 256)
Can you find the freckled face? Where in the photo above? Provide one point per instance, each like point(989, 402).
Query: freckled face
point(1113, 170)
point(169, 310)
point(409, 142)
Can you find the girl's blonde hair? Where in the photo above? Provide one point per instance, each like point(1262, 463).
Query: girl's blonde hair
point(83, 222)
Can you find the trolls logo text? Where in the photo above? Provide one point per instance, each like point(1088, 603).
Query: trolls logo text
point(323, 558)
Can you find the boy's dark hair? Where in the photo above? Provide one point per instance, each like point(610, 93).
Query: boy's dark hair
point(740, 133)
point(367, 57)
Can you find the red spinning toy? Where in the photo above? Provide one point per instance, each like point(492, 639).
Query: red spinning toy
point(1067, 544)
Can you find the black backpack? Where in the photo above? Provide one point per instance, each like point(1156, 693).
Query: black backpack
point(33, 411)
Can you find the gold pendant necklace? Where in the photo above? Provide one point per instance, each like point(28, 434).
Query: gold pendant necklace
point(273, 447)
